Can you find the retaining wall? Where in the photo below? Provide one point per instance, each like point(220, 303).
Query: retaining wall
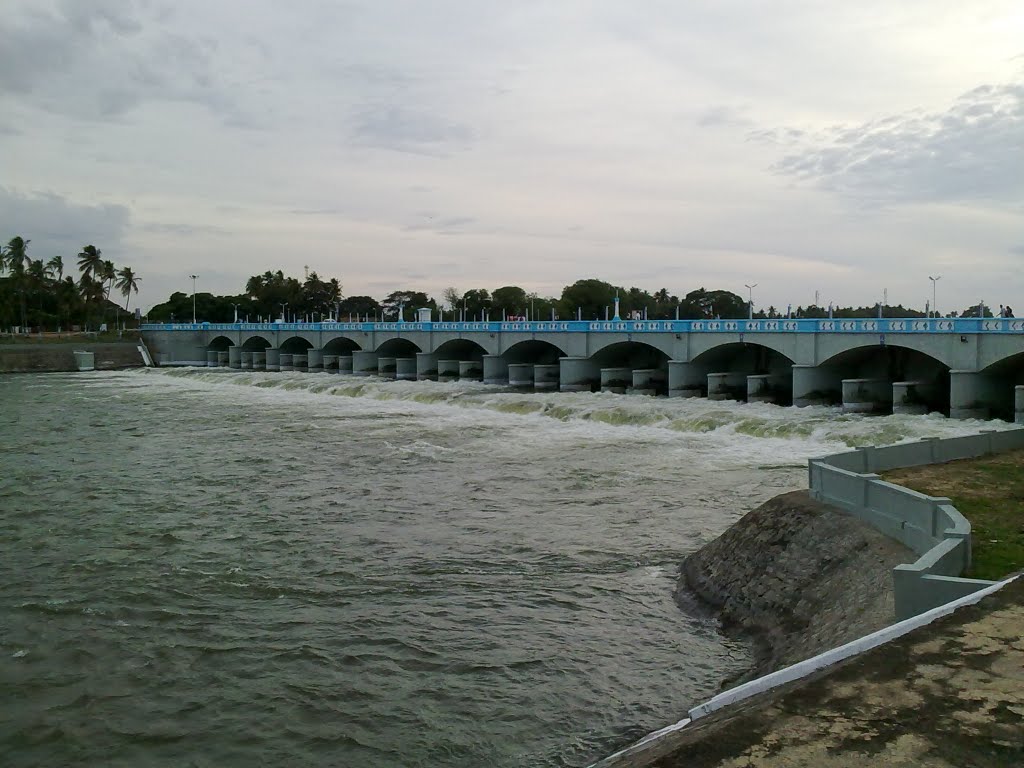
point(929, 525)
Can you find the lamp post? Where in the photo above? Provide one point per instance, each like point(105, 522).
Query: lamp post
point(750, 303)
point(236, 311)
point(284, 311)
point(934, 280)
point(193, 298)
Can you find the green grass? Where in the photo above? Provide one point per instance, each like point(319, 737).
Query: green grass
point(990, 493)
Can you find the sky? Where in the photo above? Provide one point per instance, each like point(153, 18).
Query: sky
point(810, 147)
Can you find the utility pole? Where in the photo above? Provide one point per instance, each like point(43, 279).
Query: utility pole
point(193, 298)
point(750, 304)
point(935, 306)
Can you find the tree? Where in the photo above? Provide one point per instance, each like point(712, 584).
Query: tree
point(510, 299)
point(588, 298)
point(16, 260)
point(412, 299)
point(56, 268)
point(452, 297)
point(358, 306)
point(108, 274)
point(474, 303)
point(127, 282)
point(90, 261)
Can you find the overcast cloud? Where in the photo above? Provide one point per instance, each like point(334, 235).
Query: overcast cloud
point(805, 146)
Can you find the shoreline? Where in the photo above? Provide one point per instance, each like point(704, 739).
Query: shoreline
point(59, 356)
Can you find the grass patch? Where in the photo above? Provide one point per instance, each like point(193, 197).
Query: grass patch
point(989, 492)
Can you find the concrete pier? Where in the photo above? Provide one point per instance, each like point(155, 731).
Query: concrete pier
point(909, 397)
point(815, 385)
point(495, 370)
point(259, 361)
point(222, 359)
point(649, 381)
point(545, 377)
point(235, 357)
point(471, 370)
point(330, 363)
point(386, 367)
point(447, 370)
point(767, 388)
point(346, 364)
point(971, 395)
point(405, 368)
point(364, 363)
point(727, 385)
point(426, 366)
point(616, 380)
point(300, 362)
point(272, 359)
point(520, 375)
point(246, 361)
point(314, 360)
point(1018, 404)
point(867, 396)
point(285, 361)
point(578, 374)
point(687, 379)
point(85, 361)
point(212, 359)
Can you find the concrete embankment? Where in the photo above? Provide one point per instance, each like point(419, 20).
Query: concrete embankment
point(797, 577)
point(52, 357)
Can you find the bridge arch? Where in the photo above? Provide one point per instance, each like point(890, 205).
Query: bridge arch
point(220, 344)
point(295, 345)
point(1000, 380)
point(341, 345)
point(896, 363)
point(750, 357)
point(534, 351)
point(256, 343)
point(631, 354)
point(398, 347)
point(460, 349)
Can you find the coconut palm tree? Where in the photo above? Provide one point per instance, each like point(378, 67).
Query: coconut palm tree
point(107, 275)
point(127, 282)
point(90, 261)
point(55, 266)
point(16, 260)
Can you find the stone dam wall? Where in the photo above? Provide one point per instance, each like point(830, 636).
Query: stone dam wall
point(55, 357)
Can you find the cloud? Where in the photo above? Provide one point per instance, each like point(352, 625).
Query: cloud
point(407, 129)
point(973, 151)
point(724, 115)
point(58, 226)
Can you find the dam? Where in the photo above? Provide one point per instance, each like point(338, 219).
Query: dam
point(963, 367)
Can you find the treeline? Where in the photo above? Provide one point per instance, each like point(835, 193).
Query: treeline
point(273, 295)
point(36, 294)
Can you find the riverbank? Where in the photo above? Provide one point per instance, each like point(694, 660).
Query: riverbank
point(59, 355)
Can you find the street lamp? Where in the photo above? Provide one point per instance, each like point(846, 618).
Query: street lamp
point(236, 311)
point(284, 310)
point(750, 304)
point(193, 298)
point(934, 280)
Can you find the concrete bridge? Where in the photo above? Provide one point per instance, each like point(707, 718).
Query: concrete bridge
point(964, 367)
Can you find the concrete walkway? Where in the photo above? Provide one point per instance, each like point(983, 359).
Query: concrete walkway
point(947, 695)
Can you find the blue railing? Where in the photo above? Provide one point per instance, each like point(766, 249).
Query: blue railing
point(958, 325)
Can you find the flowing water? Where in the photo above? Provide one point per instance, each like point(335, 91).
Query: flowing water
point(221, 568)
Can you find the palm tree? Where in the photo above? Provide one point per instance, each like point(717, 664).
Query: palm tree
point(90, 261)
point(107, 275)
point(56, 267)
point(127, 282)
point(17, 256)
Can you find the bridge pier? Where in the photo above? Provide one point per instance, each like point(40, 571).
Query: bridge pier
point(520, 375)
point(346, 364)
point(330, 363)
point(272, 359)
point(727, 385)
point(259, 361)
point(495, 369)
point(1018, 404)
point(364, 363)
point(211, 359)
point(447, 370)
point(426, 366)
point(648, 381)
point(235, 357)
point(767, 388)
point(386, 367)
point(315, 360)
point(246, 362)
point(578, 374)
point(545, 377)
point(285, 360)
point(616, 380)
point(816, 385)
point(300, 362)
point(867, 395)
point(471, 370)
point(972, 395)
point(405, 368)
point(222, 359)
point(912, 397)
point(687, 379)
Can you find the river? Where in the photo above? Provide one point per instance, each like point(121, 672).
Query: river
point(223, 568)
